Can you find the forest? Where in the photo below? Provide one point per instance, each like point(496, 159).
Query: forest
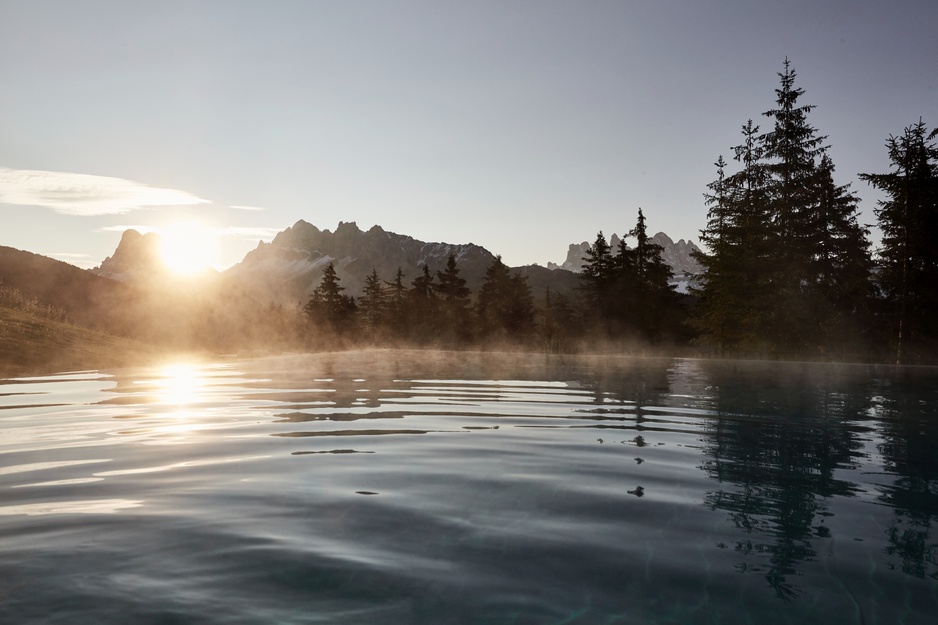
point(789, 271)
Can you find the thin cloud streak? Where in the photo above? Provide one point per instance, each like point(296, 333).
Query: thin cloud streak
point(83, 261)
point(250, 233)
point(247, 208)
point(119, 228)
point(85, 195)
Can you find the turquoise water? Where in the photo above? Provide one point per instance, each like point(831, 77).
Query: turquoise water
point(412, 487)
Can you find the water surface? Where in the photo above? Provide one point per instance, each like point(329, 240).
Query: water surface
point(413, 487)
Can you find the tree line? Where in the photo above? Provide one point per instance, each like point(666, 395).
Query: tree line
point(430, 310)
point(789, 270)
point(623, 294)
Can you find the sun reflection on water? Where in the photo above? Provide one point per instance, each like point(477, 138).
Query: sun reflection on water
point(180, 385)
point(179, 391)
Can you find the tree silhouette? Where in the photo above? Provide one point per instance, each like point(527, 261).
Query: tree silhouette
point(372, 305)
point(328, 308)
point(787, 264)
point(397, 309)
point(505, 308)
point(423, 323)
point(454, 301)
point(908, 218)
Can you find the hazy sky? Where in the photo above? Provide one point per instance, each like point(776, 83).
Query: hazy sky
point(521, 126)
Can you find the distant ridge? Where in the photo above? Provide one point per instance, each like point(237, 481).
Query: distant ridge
point(678, 256)
point(288, 268)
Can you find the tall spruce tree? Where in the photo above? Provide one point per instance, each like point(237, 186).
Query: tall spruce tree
point(719, 308)
point(908, 218)
point(790, 152)
point(734, 308)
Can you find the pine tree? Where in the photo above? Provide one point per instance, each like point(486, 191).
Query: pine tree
point(734, 308)
point(652, 274)
point(628, 292)
point(841, 267)
point(397, 305)
point(372, 304)
point(596, 280)
point(505, 308)
point(559, 323)
point(454, 304)
point(423, 321)
point(790, 152)
point(718, 308)
point(648, 276)
point(787, 261)
point(908, 218)
point(328, 308)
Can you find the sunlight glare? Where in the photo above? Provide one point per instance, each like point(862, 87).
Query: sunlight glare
point(180, 384)
point(188, 247)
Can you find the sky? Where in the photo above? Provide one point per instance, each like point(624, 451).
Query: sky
point(521, 126)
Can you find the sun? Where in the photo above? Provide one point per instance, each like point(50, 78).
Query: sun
point(188, 247)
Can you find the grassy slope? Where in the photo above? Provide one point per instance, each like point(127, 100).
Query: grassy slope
point(33, 343)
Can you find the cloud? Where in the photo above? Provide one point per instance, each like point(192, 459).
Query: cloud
point(119, 228)
point(85, 195)
point(247, 233)
point(247, 208)
point(84, 261)
point(250, 233)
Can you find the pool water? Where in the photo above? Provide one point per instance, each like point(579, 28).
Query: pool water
point(438, 487)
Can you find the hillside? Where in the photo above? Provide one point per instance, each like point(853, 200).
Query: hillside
point(178, 313)
point(37, 339)
point(87, 299)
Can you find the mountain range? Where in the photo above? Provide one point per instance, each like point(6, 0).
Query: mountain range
point(282, 272)
point(286, 270)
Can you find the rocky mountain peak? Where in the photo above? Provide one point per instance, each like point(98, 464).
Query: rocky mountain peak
point(290, 267)
point(137, 255)
point(678, 255)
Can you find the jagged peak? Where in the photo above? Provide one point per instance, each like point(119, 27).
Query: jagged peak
point(347, 227)
point(303, 226)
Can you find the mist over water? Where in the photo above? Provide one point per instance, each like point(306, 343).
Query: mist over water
point(442, 487)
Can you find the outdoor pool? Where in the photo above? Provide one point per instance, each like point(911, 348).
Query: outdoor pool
point(397, 487)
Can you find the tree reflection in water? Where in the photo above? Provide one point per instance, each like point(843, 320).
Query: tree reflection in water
point(905, 406)
point(778, 441)
point(788, 446)
point(779, 437)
